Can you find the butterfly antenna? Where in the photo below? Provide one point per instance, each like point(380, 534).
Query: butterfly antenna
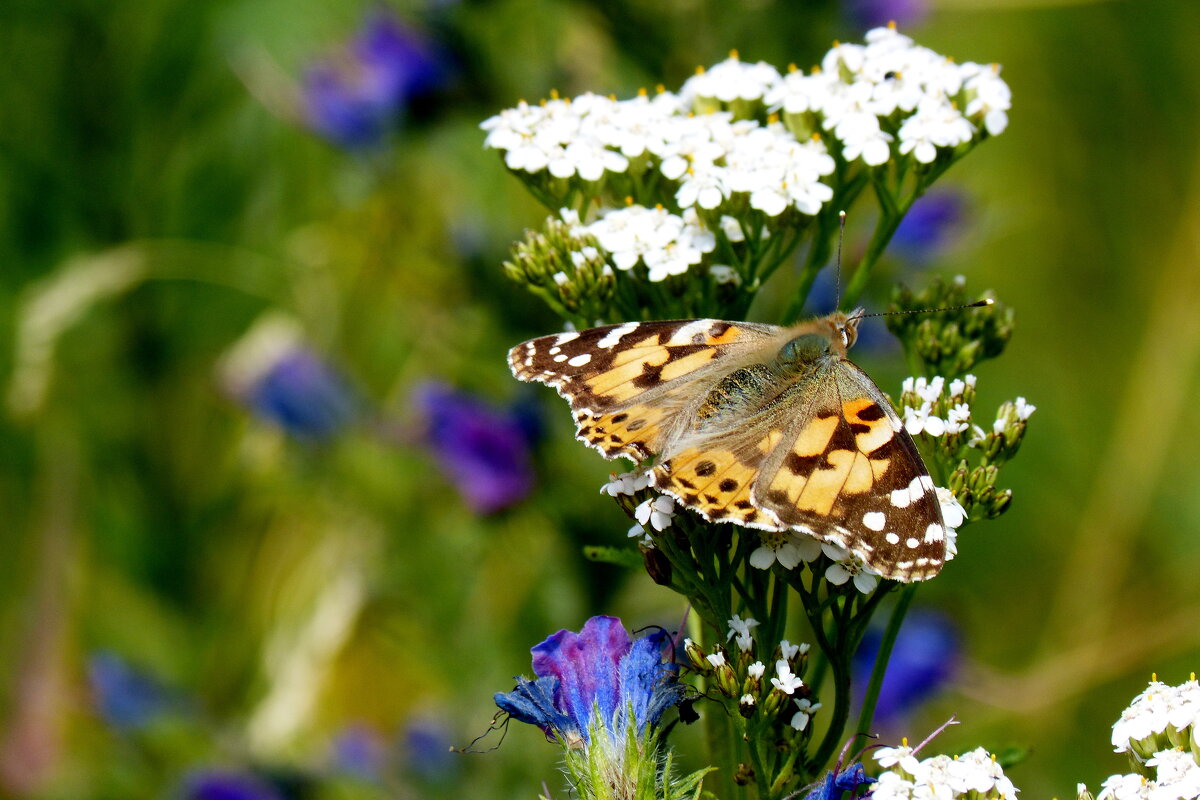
point(977, 304)
point(837, 303)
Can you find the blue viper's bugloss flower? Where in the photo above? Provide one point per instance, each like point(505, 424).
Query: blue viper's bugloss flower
point(924, 659)
point(927, 225)
point(303, 395)
point(875, 13)
point(482, 450)
point(598, 671)
point(125, 696)
point(838, 781)
point(227, 785)
point(356, 97)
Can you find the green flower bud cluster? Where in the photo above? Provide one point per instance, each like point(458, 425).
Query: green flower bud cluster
point(949, 342)
point(975, 489)
point(565, 268)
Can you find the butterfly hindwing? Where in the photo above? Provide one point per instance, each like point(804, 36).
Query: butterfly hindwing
point(848, 473)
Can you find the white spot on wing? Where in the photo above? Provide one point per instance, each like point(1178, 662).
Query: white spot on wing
point(579, 360)
point(875, 520)
point(934, 533)
point(912, 541)
point(612, 337)
point(684, 335)
point(558, 359)
point(891, 538)
point(563, 338)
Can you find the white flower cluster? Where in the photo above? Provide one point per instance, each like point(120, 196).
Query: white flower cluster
point(1176, 777)
point(1158, 731)
point(668, 244)
point(789, 548)
point(921, 395)
point(1160, 718)
point(847, 566)
point(944, 777)
point(711, 158)
point(892, 93)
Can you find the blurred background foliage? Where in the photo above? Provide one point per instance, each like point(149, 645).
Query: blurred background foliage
point(277, 522)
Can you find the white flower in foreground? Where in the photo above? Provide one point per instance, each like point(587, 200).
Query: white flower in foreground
point(666, 243)
point(1177, 776)
point(781, 546)
point(1124, 787)
point(656, 512)
point(731, 80)
point(953, 514)
point(975, 775)
point(756, 670)
point(848, 566)
point(1158, 718)
point(785, 680)
point(806, 709)
point(625, 483)
point(741, 628)
point(716, 659)
point(790, 651)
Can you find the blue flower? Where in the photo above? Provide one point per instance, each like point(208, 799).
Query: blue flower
point(593, 680)
point(126, 697)
point(928, 225)
point(838, 781)
point(357, 97)
point(359, 751)
point(874, 13)
point(483, 451)
point(924, 659)
point(303, 395)
point(426, 745)
point(228, 785)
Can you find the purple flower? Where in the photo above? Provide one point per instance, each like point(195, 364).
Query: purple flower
point(482, 450)
point(873, 13)
point(924, 659)
point(598, 671)
point(928, 225)
point(355, 98)
point(228, 785)
point(838, 781)
point(303, 395)
point(126, 697)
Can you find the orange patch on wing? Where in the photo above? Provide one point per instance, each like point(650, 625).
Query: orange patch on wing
point(815, 436)
point(714, 482)
point(607, 383)
point(689, 363)
point(731, 334)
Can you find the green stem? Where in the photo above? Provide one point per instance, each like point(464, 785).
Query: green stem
point(881, 659)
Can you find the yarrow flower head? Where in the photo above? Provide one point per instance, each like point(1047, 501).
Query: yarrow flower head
point(847, 566)
point(597, 680)
point(975, 774)
point(1158, 719)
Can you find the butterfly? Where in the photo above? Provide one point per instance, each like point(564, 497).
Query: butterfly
point(763, 426)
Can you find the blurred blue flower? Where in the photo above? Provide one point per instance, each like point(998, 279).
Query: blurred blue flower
point(838, 781)
point(303, 395)
point(872, 333)
point(359, 751)
point(928, 225)
point(483, 451)
point(599, 670)
point(874, 13)
point(126, 697)
point(356, 97)
point(924, 660)
point(218, 784)
point(427, 755)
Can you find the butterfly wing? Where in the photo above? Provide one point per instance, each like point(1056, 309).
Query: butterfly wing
point(631, 385)
point(847, 472)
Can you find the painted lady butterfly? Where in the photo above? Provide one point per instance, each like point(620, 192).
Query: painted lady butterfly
point(763, 426)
